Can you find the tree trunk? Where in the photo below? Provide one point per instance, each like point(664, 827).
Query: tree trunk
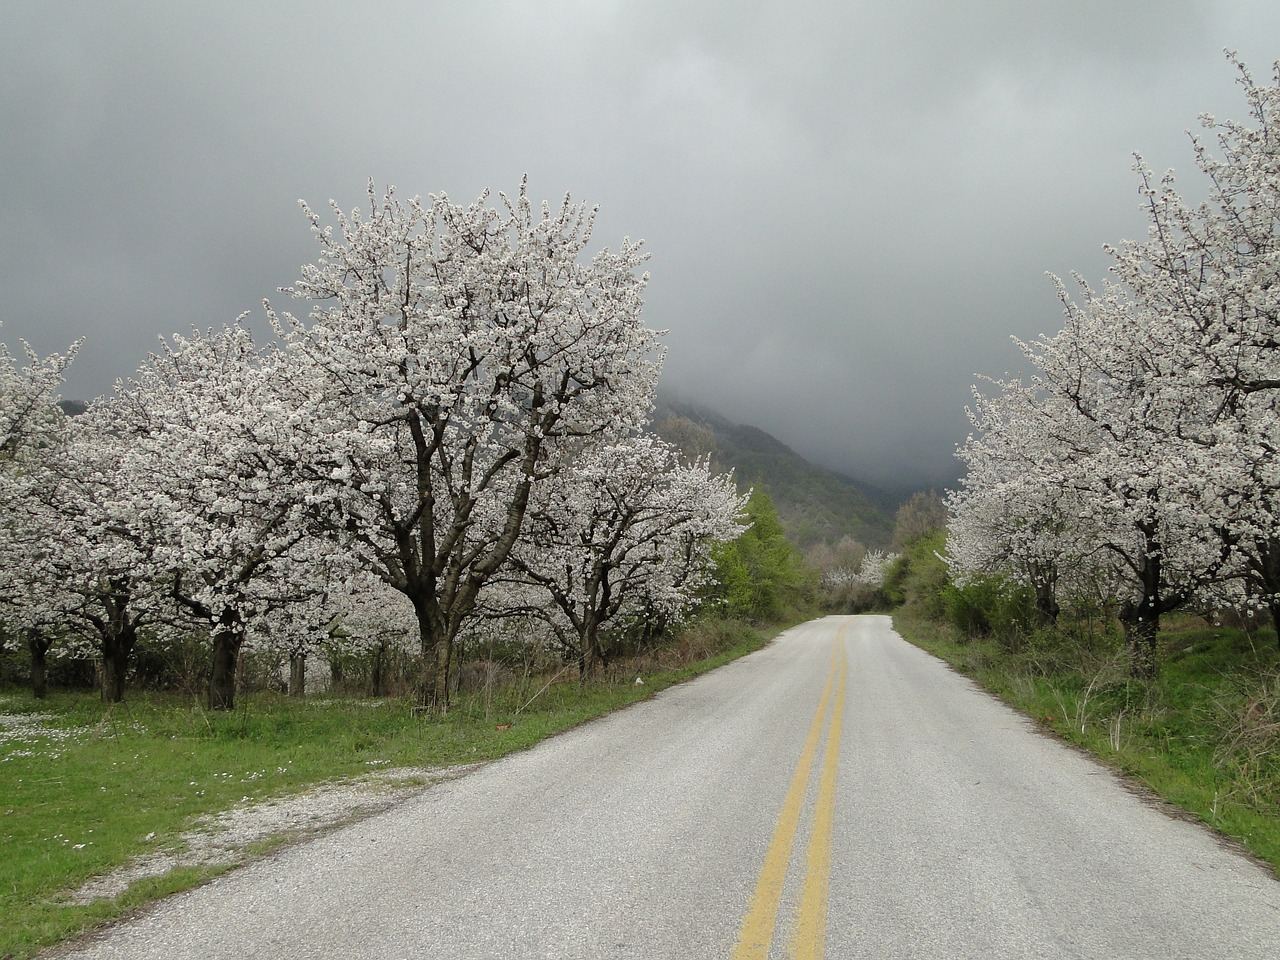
point(436, 653)
point(1141, 627)
point(1269, 564)
point(1047, 608)
point(589, 651)
point(39, 647)
point(297, 674)
point(1273, 607)
point(117, 648)
point(113, 672)
point(378, 671)
point(1141, 618)
point(118, 635)
point(444, 659)
point(222, 680)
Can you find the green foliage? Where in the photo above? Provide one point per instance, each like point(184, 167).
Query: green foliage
point(919, 582)
point(918, 579)
point(990, 606)
point(761, 576)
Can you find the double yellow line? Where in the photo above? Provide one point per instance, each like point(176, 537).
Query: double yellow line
point(809, 938)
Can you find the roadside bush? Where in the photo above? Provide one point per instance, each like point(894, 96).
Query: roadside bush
point(865, 598)
point(990, 606)
point(969, 607)
point(918, 580)
point(761, 577)
point(179, 662)
point(707, 635)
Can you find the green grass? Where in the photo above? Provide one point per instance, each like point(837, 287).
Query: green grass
point(1204, 736)
point(102, 785)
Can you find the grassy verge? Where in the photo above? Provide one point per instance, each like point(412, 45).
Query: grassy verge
point(1205, 736)
point(85, 788)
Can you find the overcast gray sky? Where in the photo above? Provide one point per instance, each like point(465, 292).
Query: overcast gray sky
point(850, 206)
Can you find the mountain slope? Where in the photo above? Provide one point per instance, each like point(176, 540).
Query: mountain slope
point(815, 505)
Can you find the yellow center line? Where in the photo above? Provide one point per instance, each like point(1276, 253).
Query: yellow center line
point(756, 935)
point(811, 926)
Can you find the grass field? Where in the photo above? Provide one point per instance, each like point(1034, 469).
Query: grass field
point(1205, 735)
point(85, 788)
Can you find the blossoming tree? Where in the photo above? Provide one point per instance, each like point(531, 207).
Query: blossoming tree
point(32, 441)
point(1154, 409)
point(452, 358)
point(209, 472)
point(626, 532)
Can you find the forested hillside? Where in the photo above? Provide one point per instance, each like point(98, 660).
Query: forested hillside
point(814, 504)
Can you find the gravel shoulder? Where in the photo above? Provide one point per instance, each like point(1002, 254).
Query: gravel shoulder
point(232, 837)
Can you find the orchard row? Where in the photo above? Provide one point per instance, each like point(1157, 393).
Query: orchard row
point(1137, 465)
point(450, 440)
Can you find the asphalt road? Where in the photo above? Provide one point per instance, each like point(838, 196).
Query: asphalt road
point(838, 794)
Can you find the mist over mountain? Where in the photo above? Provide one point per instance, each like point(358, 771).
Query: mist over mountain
point(816, 505)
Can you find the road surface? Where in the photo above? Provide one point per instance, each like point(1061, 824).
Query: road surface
point(838, 794)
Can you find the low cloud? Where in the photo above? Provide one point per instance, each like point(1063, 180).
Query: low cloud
point(850, 206)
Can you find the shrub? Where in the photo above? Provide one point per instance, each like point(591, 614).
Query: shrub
point(990, 606)
point(917, 581)
point(761, 576)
